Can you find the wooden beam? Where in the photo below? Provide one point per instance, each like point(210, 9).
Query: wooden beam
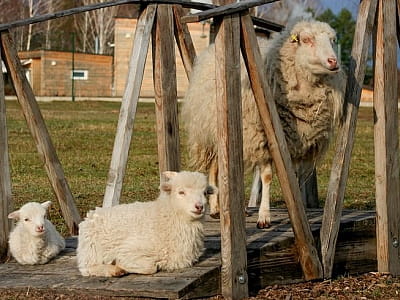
point(234, 283)
point(5, 181)
point(398, 21)
point(127, 113)
point(40, 134)
point(345, 139)
point(277, 144)
point(165, 90)
point(184, 41)
point(386, 140)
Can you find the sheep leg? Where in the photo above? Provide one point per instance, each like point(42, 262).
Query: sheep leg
point(102, 270)
point(264, 214)
point(213, 200)
point(138, 264)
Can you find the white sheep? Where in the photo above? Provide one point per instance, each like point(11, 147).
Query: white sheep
point(34, 240)
point(145, 237)
point(308, 87)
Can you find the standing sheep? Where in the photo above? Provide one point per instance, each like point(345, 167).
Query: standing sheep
point(308, 87)
point(144, 237)
point(34, 239)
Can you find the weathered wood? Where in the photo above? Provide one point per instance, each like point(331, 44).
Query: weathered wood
point(224, 10)
point(386, 140)
point(345, 139)
point(184, 40)
point(398, 21)
point(128, 107)
point(277, 144)
point(40, 134)
point(165, 90)
point(5, 181)
point(234, 281)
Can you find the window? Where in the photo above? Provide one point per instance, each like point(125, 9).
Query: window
point(80, 74)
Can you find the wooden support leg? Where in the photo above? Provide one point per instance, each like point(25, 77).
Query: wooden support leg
point(165, 89)
point(5, 180)
point(184, 40)
point(386, 139)
point(304, 240)
point(40, 134)
point(128, 107)
point(341, 162)
point(230, 160)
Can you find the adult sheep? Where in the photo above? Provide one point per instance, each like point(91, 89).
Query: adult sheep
point(144, 237)
point(34, 240)
point(308, 87)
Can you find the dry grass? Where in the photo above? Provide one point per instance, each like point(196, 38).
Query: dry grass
point(83, 134)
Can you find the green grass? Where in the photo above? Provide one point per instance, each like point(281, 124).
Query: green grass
point(83, 135)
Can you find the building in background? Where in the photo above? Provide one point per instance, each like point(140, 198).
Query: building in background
point(123, 39)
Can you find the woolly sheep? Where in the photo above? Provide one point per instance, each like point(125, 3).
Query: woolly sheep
point(144, 237)
point(308, 87)
point(34, 240)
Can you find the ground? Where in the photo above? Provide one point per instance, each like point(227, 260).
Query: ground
point(366, 286)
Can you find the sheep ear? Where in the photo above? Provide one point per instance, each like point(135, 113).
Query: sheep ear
point(167, 175)
point(165, 187)
point(46, 204)
point(14, 215)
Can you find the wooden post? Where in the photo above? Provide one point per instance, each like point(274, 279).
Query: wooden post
point(165, 90)
point(308, 255)
point(230, 159)
point(40, 134)
point(128, 107)
point(386, 139)
point(345, 140)
point(5, 180)
point(184, 40)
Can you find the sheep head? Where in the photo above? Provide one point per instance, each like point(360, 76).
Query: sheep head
point(313, 43)
point(32, 216)
point(188, 191)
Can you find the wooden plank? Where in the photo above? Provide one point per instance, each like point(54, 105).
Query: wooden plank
point(6, 204)
point(277, 144)
point(165, 90)
point(40, 134)
point(128, 107)
point(386, 140)
point(398, 21)
point(184, 40)
point(345, 139)
point(224, 10)
point(234, 284)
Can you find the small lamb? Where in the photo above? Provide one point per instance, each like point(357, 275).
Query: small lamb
point(145, 237)
point(34, 240)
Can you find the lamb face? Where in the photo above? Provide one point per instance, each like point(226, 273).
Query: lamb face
point(315, 52)
point(32, 217)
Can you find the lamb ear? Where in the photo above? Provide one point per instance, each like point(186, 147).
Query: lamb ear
point(167, 175)
point(166, 187)
point(14, 215)
point(46, 204)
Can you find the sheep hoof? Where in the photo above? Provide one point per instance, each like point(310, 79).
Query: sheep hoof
point(262, 225)
point(118, 272)
point(215, 215)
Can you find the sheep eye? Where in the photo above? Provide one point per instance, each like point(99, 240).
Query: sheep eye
point(26, 219)
point(181, 192)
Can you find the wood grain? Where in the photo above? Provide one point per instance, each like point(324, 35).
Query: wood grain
point(40, 134)
point(386, 140)
point(234, 281)
point(345, 139)
point(128, 107)
point(165, 90)
point(6, 204)
point(277, 144)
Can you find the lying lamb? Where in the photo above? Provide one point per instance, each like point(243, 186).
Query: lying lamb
point(308, 86)
point(144, 237)
point(34, 240)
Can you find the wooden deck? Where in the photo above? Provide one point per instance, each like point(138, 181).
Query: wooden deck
point(272, 258)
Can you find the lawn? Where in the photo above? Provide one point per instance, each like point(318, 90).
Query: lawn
point(83, 135)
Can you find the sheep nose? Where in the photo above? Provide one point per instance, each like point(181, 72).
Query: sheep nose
point(199, 207)
point(40, 228)
point(332, 62)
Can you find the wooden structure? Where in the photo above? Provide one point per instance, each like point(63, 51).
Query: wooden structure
point(272, 258)
point(161, 20)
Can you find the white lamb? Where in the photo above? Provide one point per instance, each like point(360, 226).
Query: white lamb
point(34, 240)
point(145, 237)
point(308, 87)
